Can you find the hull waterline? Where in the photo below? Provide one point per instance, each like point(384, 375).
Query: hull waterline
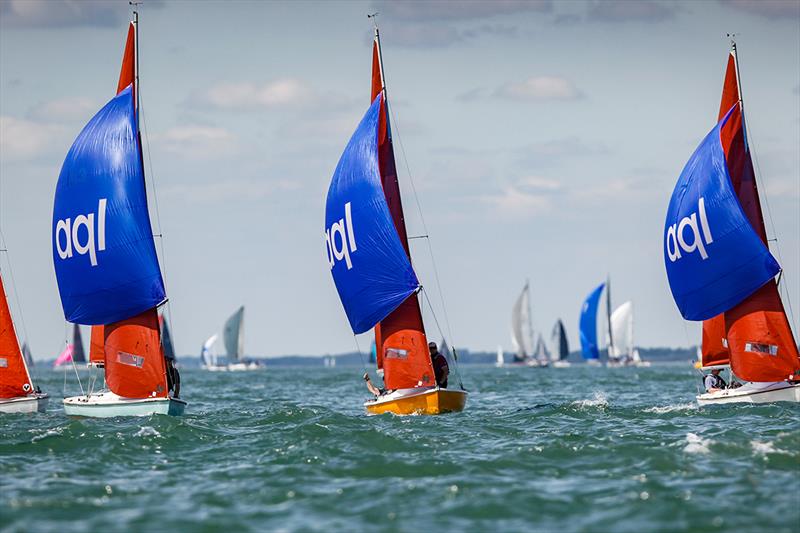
point(25, 404)
point(107, 404)
point(421, 401)
point(754, 393)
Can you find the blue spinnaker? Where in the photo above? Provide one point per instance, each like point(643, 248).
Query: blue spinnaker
point(588, 324)
point(713, 256)
point(370, 268)
point(103, 250)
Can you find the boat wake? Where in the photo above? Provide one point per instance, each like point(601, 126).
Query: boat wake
point(661, 409)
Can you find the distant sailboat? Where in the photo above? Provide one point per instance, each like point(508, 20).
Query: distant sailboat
point(588, 326)
point(561, 351)
point(623, 351)
point(105, 258)
point(541, 354)
point(500, 361)
point(522, 329)
point(233, 340)
point(74, 351)
point(166, 338)
point(208, 357)
point(369, 257)
point(719, 265)
point(17, 393)
point(26, 353)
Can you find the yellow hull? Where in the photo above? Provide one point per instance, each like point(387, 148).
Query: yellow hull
point(419, 402)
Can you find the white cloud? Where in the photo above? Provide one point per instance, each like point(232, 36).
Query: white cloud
point(539, 88)
point(65, 110)
point(65, 13)
point(247, 95)
point(196, 142)
point(23, 139)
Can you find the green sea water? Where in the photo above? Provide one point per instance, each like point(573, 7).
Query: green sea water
point(290, 449)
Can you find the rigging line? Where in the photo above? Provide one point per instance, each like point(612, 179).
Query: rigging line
point(436, 320)
point(760, 179)
point(424, 225)
point(360, 355)
point(160, 233)
point(16, 292)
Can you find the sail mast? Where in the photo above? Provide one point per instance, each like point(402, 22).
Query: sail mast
point(608, 317)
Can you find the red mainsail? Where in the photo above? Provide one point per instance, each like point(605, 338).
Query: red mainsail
point(134, 362)
point(14, 378)
point(761, 346)
point(402, 348)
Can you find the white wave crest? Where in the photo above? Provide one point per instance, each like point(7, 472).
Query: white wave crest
point(599, 400)
point(147, 431)
point(661, 409)
point(696, 444)
point(764, 448)
point(49, 433)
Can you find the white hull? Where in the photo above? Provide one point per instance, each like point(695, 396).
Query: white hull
point(234, 367)
point(561, 364)
point(108, 404)
point(780, 391)
point(25, 404)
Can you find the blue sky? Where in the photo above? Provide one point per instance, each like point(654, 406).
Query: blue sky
point(543, 138)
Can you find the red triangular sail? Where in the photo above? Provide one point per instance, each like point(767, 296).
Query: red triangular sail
point(127, 73)
point(133, 359)
point(14, 378)
point(97, 345)
point(402, 348)
point(761, 346)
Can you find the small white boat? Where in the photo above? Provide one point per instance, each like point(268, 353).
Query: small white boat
point(17, 392)
point(560, 346)
point(33, 403)
point(754, 392)
point(107, 404)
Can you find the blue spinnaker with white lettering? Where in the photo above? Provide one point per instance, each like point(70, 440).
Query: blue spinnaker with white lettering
point(713, 256)
point(103, 250)
point(370, 268)
point(588, 324)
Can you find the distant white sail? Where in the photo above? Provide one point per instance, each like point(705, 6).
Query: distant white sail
point(521, 330)
point(541, 354)
point(500, 360)
point(622, 330)
point(207, 354)
point(234, 335)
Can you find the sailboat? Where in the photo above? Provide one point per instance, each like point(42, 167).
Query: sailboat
point(522, 329)
point(719, 265)
point(561, 352)
point(74, 351)
point(233, 337)
point(623, 351)
point(26, 353)
point(541, 354)
point(370, 261)
point(105, 257)
point(208, 357)
point(500, 361)
point(17, 393)
point(588, 326)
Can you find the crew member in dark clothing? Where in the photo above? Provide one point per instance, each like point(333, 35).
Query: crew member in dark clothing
point(713, 382)
point(440, 368)
point(173, 377)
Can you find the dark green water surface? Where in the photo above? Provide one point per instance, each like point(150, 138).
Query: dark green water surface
point(577, 449)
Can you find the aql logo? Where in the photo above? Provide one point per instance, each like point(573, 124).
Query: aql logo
point(341, 247)
point(71, 240)
point(677, 236)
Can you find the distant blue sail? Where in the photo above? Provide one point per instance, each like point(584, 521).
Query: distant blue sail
point(370, 268)
point(713, 256)
point(373, 352)
point(103, 250)
point(588, 324)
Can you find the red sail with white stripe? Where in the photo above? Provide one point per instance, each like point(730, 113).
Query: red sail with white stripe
point(14, 378)
point(760, 343)
point(402, 348)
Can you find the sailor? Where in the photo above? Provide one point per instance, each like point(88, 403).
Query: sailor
point(713, 382)
point(372, 388)
point(440, 368)
point(173, 376)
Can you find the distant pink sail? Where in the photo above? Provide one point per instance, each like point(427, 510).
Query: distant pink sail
point(65, 357)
